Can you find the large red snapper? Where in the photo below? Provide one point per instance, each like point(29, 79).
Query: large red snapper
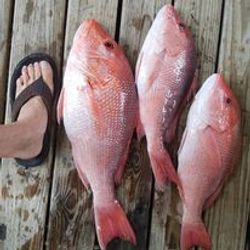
point(209, 149)
point(98, 105)
point(164, 76)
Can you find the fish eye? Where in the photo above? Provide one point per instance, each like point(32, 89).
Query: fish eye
point(228, 100)
point(182, 26)
point(109, 45)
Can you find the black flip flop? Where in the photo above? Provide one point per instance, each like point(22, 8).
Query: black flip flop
point(37, 88)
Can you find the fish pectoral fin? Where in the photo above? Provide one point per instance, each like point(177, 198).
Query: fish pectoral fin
point(151, 71)
point(94, 108)
point(60, 106)
point(210, 134)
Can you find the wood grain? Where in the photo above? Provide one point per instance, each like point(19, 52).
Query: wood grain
point(203, 18)
point(5, 27)
point(38, 26)
point(227, 220)
point(71, 221)
point(135, 190)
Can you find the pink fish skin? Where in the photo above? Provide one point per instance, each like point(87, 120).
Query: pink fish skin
point(208, 152)
point(165, 77)
point(98, 105)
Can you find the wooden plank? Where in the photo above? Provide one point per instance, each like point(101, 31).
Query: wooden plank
point(38, 26)
point(135, 190)
point(71, 221)
point(5, 22)
point(228, 219)
point(203, 18)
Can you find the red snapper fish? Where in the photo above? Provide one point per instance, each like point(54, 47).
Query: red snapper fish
point(208, 152)
point(98, 105)
point(165, 78)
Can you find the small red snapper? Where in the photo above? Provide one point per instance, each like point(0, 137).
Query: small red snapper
point(208, 152)
point(98, 105)
point(164, 76)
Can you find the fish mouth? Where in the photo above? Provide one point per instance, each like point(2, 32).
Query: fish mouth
point(170, 13)
point(89, 25)
point(216, 82)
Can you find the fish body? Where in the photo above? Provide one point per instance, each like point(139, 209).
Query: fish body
point(164, 76)
point(208, 152)
point(98, 105)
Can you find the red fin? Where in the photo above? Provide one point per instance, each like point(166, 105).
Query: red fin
point(139, 130)
point(60, 105)
point(194, 235)
point(193, 88)
point(163, 169)
point(212, 198)
point(121, 166)
point(82, 176)
point(79, 168)
point(111, 222)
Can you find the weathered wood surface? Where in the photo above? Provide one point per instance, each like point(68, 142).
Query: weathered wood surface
point(71, 220)
point(136, 187)
point(228, 219)
point(203, 18)
point(5, 27)
point(38, 26)
point(24, 194)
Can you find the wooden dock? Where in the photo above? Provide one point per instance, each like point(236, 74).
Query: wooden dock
point(47, 207)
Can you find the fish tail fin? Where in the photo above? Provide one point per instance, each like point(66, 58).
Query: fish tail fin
point(194, 235)
point(163, 169)
point(111, 222)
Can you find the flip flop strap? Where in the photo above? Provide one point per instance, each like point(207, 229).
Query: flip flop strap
point(37, 88)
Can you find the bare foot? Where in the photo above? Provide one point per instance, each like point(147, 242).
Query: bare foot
point(33, 115)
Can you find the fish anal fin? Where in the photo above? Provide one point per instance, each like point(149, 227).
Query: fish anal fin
point(79, 168)
point(121, 166)
point(193, 88)
point(82, 177)
point(139, 130)
point(183, 139)
point(163, 168)
point(212, 198)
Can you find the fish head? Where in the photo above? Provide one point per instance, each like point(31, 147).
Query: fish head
point(169, 28)
point(102, 58)
point(217, 105)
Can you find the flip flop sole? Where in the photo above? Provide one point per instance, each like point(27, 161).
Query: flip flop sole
point(31, 59)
